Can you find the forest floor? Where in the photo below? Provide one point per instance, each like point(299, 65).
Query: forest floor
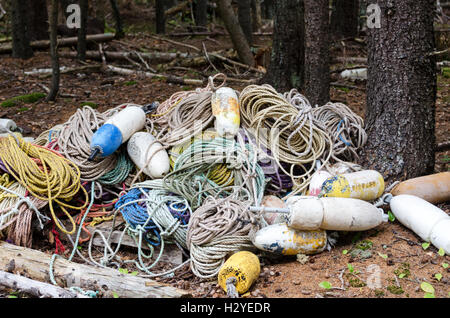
point(401, 260)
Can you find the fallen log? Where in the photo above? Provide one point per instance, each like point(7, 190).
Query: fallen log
point(35, 288)
point(179, 7)
point(151, 57)
point(45, 44)
point(167, 78)
point(105, 280)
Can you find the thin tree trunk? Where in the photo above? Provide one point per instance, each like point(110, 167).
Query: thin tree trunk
point(245, 19)
point(20, 33)
point(160, 17)
point(82, 43)
point(38, 20)
point(317, 55)
point(401, 90)
point(344, 19)
point(54, 52)
point(237, 36)
point(286, 69)
point(118, 19)
point(201, 16)
point(256, 15)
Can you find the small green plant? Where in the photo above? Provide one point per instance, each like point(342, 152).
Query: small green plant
point(123, 270)
point(130, 83)
point(441, 252)
point(425, 245)
point(391, 216)
point(364, 245)
point(402, 271)
point(445, 265)
point(396, 290)
point(438, 276)
point(325, 285)
point(344, 252)
point(383, 255)
point(428, 289)
point(115, 295)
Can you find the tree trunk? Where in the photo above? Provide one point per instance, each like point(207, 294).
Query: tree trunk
point(54, 52)
point(201, 16)
point(317, 55)
point(344, 19)
point(38, 20)
point(256, 15)
point(237, 36)
point(98, 7)
point(269, 9)
point(118, 19)
point(82, 31)
point(20, 33)
point(245, 19)
point(286, 69)
point(160, 17)
point(401, 91)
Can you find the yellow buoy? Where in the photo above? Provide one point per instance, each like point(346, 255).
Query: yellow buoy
point(365, 185)
point(244, 266)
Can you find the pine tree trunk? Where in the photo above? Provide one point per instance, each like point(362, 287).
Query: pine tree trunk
point(160, 17)
point(20, 32)
point(401, 90)
point(286, 69)
point(237, 36)
point(54, 51)
point(245, 19)
point(201, 13)
point(38, 20)
point(317, 55)
point(118, 19)
point(344, 19)
point(82, 44)
point(256, 15)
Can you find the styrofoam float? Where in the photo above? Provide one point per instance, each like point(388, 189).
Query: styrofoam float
point(244, 266)
point(148, 155)
point(7, 125)
point(225, 108)
point(117, 130)
point(271, 201)
point(434, 188)
point(366, 185)
point(283, 240)
point(429, 222)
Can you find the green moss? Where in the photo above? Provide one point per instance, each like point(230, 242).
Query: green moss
point(402, 271)
point(344, 89)
point(379, 293)
point(355, 281)
point(22, 109)
point(130, 83)
point(364, 245)
point(23, 99)
point(396, 290)
point(90, 104)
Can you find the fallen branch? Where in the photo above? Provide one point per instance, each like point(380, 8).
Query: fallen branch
point(66, 273)
point(47, 72)
point(35, 288)
point(179, 7)
point(45, 44)
point(151, 57)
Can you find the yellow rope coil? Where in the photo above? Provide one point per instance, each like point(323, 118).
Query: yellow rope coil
point(58, 181)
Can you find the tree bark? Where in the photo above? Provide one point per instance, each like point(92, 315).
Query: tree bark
point(286, 68)
point(401, 91)
point(82, 31)
point(20, 33)
point(201, 16)
point(54, 52)
point(160, 17)
point(118, 19)
point(38, 20)
point(256, 15)
point(317, 55)
point(245, 19)
point(344, 19)
point(237, 36)
point(68, 274)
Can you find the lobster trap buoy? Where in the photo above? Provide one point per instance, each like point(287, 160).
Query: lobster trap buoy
point(434, 188)
point(336, 214)
point(225, 108)
point(244, 266)
point(271, 201)
point(283, 240)
point(116, 131)
point(7, 125)
point(429, 222)
point(317, 180)
point(148, 155)
point(365, 185)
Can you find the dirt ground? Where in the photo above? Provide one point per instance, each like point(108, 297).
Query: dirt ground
point(390, 250)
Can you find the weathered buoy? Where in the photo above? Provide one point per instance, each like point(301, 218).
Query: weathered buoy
point(283, 240)
point(429, 222)
point(116, 131)
point(317, 180)
point(336, 214)
point(7, 125)
point(225, 108)
point(244, 266)
point(271, 201)
point(365, 185)
point(434, 188)
point(141, 148)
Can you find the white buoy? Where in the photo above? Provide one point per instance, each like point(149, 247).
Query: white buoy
point(283, 240)
point(317, 180)
point(225, 108)
point(336, 214)
point(141, 147)
point(271, 201)
point(429, 222)
point(7, 125)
